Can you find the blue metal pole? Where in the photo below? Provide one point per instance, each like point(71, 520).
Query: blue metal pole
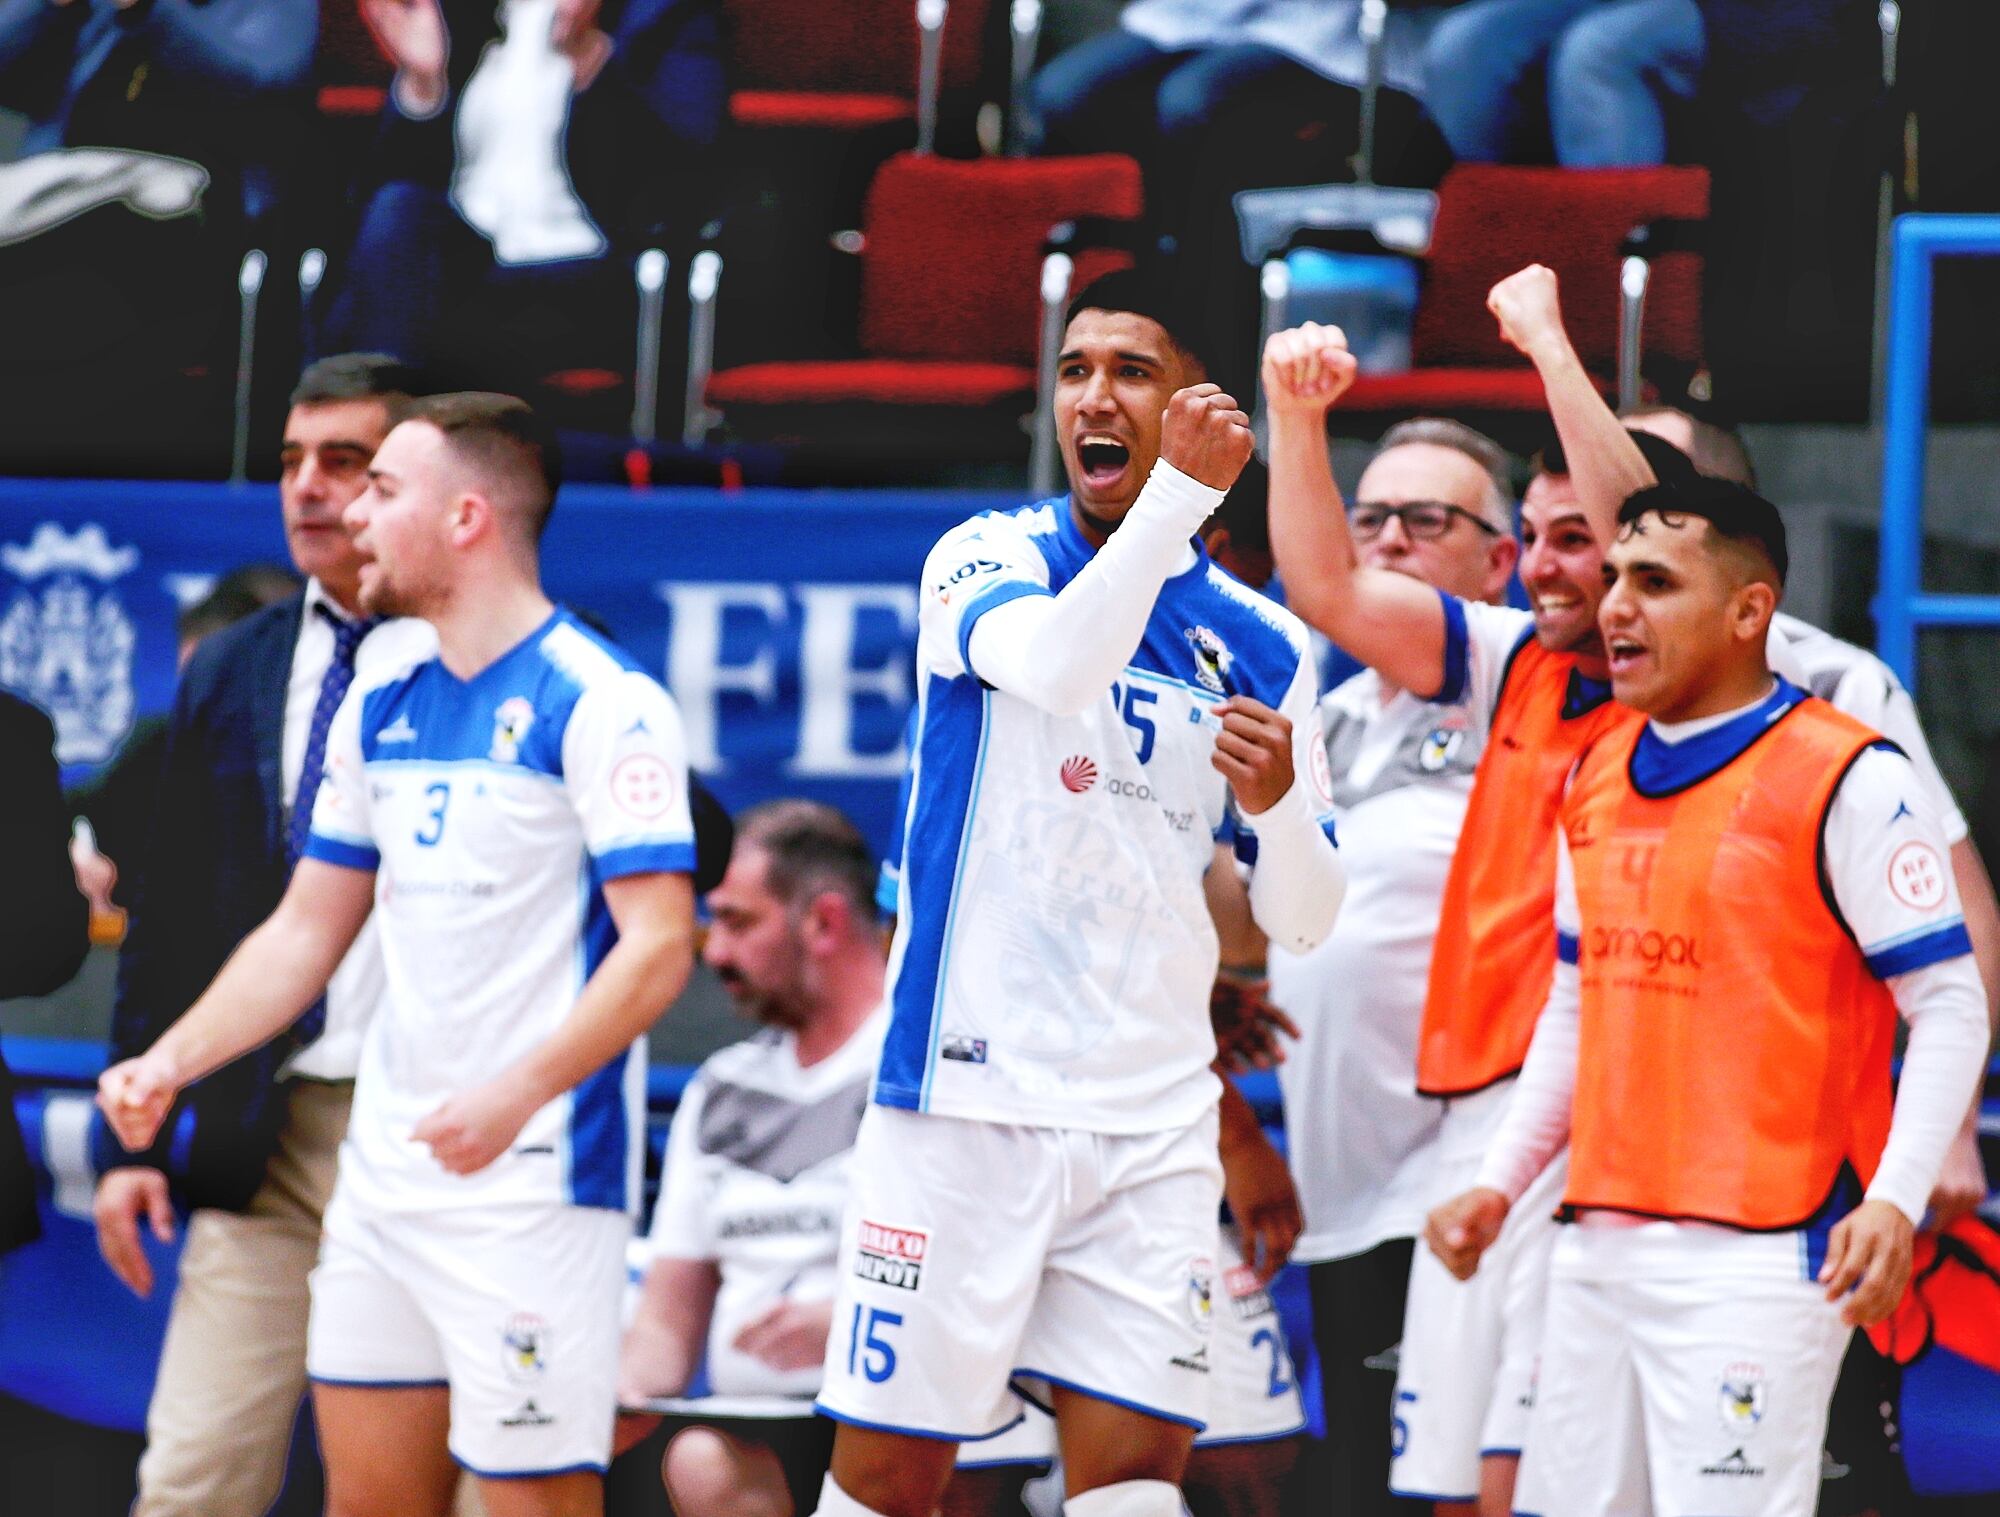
point(1905, 412)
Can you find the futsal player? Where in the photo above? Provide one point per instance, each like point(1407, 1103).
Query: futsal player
point(1758, 887)
point(1036, 1184)
point(516, 806)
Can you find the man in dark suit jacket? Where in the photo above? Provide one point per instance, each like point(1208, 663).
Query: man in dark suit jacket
point(44, 923)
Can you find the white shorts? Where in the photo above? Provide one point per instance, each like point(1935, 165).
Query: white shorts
point(1465, 1380)
point(977, 1257)
point(1255, 1392)
point(515, 1309)
point(1701, 1397)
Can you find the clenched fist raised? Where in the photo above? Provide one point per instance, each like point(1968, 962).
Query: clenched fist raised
point(1306, 369)
point(1527, 309)
point(1205, 435)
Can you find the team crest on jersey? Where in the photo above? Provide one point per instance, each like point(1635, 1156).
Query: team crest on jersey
point(65, 640)
point(511, 722)
point(1212, 658)
point(1201, 1294)
point(524, 1346)
point(1740, 1397)
point(1442, 745)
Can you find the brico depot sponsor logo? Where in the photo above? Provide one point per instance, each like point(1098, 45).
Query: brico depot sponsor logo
point(1078, 774)
point(891, 1255)
point(1650, 947)
point(1247, 1297)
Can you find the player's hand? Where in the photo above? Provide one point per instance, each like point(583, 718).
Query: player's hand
point(124, 1195)
point(135, 1097)
point(631, 1429)
point(1254, 753)
point(1306, 369)
point(1247, 1025)
point(1869, 1253)
point(1264, 1202)
point(413, 34)
point(1205, 435)
point(1462, 1229)
point(790, 1336)
point(1528, 311)
point(1961, 1184)
point(473, 1128)
point(573, 18)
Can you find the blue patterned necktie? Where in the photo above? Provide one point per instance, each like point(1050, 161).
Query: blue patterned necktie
point(347, 636)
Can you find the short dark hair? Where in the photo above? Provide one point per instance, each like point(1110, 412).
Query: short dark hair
point(1735, 512)
point(502, 434)
point(1668, 463)
point(1245, 512)
point(810, 847)
point(1148, 291)
point(359, 376)
point(236, 595)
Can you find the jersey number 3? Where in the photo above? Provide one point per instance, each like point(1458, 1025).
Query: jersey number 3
point(439, 796)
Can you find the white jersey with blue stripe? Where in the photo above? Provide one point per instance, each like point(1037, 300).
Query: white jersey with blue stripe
point(1054, 952)
point(493, 810)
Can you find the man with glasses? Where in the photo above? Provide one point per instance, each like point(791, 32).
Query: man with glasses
point(1434, 505)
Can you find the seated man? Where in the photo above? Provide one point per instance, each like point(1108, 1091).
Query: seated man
point(744, 1236)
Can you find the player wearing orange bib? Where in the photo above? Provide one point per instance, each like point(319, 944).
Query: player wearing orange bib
point(1755, 885)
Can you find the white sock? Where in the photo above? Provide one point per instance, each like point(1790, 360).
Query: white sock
point(834, 1502)
point(1128, 1498)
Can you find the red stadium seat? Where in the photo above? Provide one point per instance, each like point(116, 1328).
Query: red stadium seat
point(951, 305)
point(353, 70)
point(1492, 220)
point(842, 66)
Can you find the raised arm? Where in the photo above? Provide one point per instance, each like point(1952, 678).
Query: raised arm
point(1605, 465)
point(274, 975)
point(1391, 622)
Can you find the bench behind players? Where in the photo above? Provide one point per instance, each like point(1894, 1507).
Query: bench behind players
point(520, 805)
point(1036, 1184)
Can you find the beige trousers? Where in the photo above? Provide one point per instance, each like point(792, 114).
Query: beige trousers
point(234, 1364)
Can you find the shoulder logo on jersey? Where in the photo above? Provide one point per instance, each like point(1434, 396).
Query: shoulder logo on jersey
point(892, 1256)
point(1739, 1398)
point(66, 642)
point(1916, 876)
point(1212, 658)
point(398, 731)
point(972, 568)
point(642, 786)
point(1201, 1293)
point(1443, 744)
point(1078, 774)
point(511, 721)
point(524, 1346)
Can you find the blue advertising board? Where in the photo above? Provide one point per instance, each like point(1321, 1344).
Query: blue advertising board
point(782, 620)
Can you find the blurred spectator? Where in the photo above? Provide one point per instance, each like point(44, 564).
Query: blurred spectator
point(539, 138)
point(1606, 68)
point(1176, 72)
point(117, 802)
point(156, 130)
point(44, 924)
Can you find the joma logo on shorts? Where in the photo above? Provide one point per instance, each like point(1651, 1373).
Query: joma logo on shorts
point(891, 1255)
point(1651, 947)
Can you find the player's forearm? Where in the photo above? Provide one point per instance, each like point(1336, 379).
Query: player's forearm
point(1389, 622)
point(1061, 653)
point(1943, 1067)
point(273, 976)
point(670, 1328)
point(642, 976)
point(1299, 881)
point(1982, 923)
point(1537, 1122)
point(1605, 465)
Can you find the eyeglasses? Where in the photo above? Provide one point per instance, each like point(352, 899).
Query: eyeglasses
point(1423, 520)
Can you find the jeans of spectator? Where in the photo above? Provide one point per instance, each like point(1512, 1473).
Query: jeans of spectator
point(1357, 1328)
point(1120, 93)
point(1609, 68)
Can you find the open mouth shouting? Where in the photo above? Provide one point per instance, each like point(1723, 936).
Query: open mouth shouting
point(1102, 460)
point(1624, 655)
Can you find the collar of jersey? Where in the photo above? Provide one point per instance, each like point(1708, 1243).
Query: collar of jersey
point(1077, 551)
point(504, 660)
point(1583, 694)
point(1661, 768)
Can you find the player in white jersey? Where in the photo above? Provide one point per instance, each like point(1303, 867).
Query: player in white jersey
point(1037, 1181)
point(515, 811)
point(1700, 1350)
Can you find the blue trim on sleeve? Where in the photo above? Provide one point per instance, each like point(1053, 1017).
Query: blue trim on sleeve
point(362, 856)
point(645, 858)
point(1569, 948)
point(1933, 945)
point(985, 601)
point(1457, 644)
